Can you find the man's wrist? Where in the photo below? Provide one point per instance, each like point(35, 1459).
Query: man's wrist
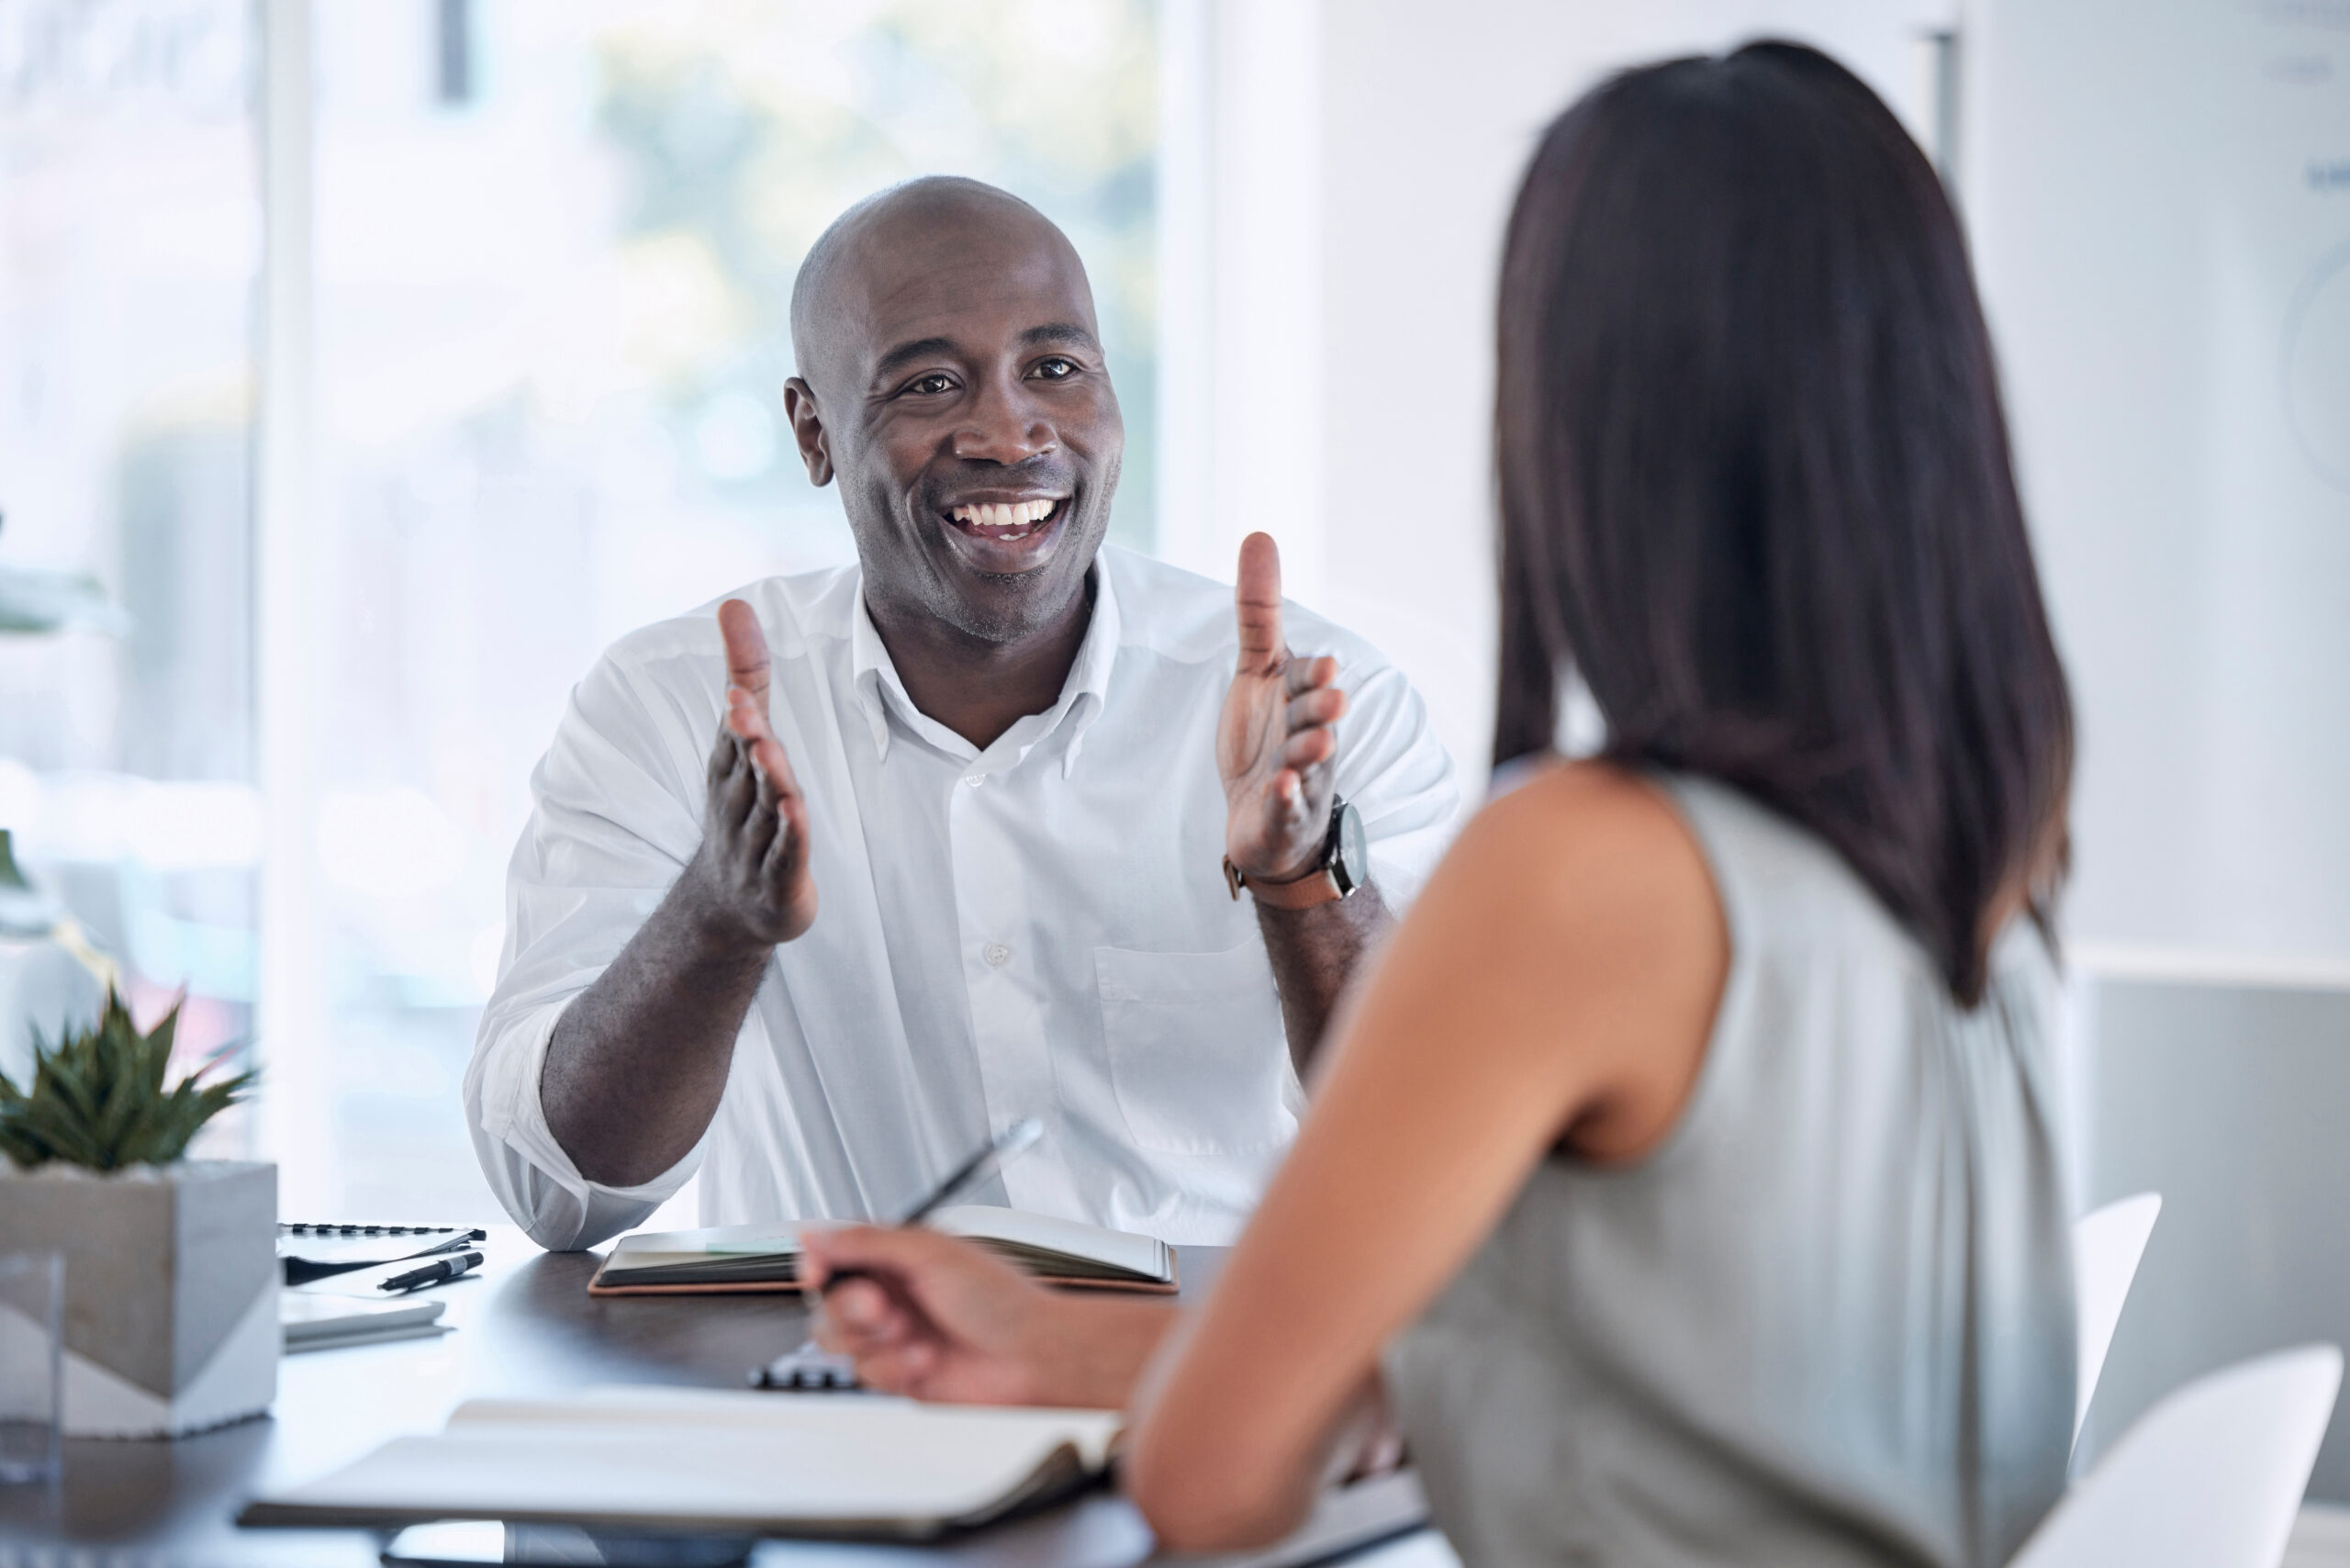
point(1304, 867)
point(1310, 890)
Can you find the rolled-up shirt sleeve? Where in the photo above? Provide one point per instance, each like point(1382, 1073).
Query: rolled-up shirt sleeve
point(1398, 774)
point(614, 817)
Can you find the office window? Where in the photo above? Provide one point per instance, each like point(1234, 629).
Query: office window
point(555, 247)
point(130, 227)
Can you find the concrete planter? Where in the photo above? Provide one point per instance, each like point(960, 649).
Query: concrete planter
point(170, 1290)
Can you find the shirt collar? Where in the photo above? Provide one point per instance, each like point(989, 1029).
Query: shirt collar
point(875, 677)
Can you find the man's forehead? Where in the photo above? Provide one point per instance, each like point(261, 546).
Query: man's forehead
point(979, 275)
point(975, 292)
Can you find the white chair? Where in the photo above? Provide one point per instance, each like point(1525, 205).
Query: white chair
point(2107, 1245)
point(2209, 1478)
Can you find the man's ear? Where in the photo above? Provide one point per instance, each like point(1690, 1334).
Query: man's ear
point(808, 431)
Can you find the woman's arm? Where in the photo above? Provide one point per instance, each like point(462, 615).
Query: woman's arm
point(1554, 986)
point(1555, 983)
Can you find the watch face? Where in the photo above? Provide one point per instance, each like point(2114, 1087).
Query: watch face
point(1354, 850)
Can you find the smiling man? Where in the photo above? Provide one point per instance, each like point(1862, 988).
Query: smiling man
point(998, 823)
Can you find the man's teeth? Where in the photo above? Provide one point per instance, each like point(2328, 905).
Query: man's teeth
point(1004, 521)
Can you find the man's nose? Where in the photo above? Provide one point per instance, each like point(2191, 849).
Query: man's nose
point(1003, 424)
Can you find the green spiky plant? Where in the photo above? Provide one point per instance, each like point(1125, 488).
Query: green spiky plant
point(98, 1099)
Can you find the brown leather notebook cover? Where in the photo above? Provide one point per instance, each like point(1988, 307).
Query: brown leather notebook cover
point(1056, 1252)
point(774, 1287)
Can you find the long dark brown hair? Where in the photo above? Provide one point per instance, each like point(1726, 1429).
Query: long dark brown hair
point(1755, 485)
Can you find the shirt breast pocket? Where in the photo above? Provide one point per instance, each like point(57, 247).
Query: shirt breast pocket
point(1197, 1055)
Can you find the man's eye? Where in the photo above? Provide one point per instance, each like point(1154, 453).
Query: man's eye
point(1055, 369)
point(931, 385)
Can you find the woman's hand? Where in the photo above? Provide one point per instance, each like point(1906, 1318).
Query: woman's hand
point(939, 1318)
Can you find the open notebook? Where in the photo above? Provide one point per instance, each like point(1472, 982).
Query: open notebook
point(766, 1257)
point(710, 1459)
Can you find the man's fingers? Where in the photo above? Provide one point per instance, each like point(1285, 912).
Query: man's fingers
point(768, 753)
point(747, 648)
point(1306, 747)
point(747, 719)
point(722, 752)
point(760, 825)
point(745, 716)
point(741, 786)
point(1324, 705)
point(791, 835)
point(1308, 675)
point(1257, 599)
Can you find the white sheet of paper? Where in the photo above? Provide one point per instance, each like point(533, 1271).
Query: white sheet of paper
point(713, 1455)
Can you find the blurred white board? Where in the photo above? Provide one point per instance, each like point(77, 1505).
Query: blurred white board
point(2159, 198)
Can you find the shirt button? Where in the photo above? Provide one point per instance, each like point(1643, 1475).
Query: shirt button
point(975, 779)
point(997, 955)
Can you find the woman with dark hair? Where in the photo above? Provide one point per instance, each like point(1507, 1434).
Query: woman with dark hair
point(1687, 1165)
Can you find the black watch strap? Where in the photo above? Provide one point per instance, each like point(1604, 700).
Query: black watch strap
point(1327, 883)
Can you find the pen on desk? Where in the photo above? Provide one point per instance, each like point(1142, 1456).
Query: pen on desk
point(1014, 1139)
point(432, 1273)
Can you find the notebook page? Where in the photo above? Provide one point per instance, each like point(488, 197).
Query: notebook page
point(720, 1458)
point(637, 1406)
point(1143, 1255)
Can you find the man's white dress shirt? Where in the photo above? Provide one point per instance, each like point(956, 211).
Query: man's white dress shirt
point(1041, 928)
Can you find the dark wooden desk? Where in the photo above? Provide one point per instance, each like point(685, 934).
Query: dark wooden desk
point(524, 1325)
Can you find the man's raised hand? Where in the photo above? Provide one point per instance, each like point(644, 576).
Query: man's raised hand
point(1276, 745)
point(752, 870)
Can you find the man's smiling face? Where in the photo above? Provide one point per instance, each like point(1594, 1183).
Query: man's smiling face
point(955, 384)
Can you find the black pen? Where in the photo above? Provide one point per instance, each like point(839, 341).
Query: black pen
point(1015, 1139)
point(432, 1273)
point(976, 1170)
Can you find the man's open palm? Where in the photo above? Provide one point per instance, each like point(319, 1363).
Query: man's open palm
point(753, 859)
point(1275, 744)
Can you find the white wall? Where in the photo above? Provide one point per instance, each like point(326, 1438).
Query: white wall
point(2159, 196)
point(1429, 114)
point(2151, 192)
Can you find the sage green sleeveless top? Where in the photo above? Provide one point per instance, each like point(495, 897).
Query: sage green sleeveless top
point(1830, 1321)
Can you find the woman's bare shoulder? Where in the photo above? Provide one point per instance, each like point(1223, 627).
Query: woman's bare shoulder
point(1585, 835)
point(1574, 935)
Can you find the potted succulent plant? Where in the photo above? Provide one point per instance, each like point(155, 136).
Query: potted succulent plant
point(171, 1263)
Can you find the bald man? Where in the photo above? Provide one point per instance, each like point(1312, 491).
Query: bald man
point(997, 823)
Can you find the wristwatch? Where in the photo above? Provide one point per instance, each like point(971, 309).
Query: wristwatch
point(1345, 866)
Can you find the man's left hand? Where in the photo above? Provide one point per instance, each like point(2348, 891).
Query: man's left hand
point(1276, 744)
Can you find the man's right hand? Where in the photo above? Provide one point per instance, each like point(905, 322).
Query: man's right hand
point(751, 879)
point(638, 1061)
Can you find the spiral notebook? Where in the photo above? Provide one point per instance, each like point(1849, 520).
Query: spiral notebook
point(310, 1252)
